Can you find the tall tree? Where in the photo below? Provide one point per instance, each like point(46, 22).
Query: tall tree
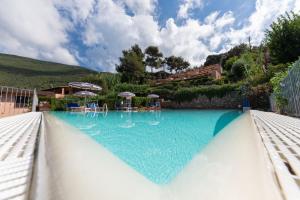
point(132, 66)
point(154, 58)
point(176, 63)
point(283, 39)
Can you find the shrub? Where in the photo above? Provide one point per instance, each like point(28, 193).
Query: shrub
point(58, 104)
point(188, 94)
point(163, 93)
point(276, 81)
point(283, 39)
point(137, 89)
point(229, 63)
point(259, 96)
point(238, 70)
point(140, 101)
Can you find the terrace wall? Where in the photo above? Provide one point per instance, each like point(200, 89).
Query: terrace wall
point(230, 101)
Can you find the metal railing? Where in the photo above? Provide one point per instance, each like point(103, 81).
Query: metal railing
point(16, 100)
point(291, 90)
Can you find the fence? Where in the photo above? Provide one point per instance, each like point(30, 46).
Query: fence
point(291, 90)
point(15, 100)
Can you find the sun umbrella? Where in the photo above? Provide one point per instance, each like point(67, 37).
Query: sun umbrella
point(126, 94)
point(85, 86)
point(153, 96)
point(85, 94)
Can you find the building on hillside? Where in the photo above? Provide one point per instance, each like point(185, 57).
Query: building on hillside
point(213, 71)
point(59, 92)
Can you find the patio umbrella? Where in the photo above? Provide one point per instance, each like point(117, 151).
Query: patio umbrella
point(153, 96)
point(85, 86)
point(85, 94)
point(127, 95)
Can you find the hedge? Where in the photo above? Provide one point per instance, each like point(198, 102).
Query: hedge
point(188, 94)
point(140, 90)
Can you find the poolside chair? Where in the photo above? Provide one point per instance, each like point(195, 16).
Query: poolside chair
point(93, 107)
point(73, 107)
point(246, 105)
point(153, 106)
point(118, 106)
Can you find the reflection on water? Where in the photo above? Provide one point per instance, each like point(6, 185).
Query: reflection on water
point(156, 144)
point(128, 123)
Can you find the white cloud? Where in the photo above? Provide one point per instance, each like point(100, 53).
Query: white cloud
point(187, 6)
point(226, 20)
point(186, 40)
point(211, 18)
point(111, 30)
point(34, 28)
point(266, 11)
point(193, 40)
point(78, 10)
point(40, 29)
point(140, 6)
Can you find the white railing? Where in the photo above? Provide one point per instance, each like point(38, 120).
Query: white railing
point(16, 100)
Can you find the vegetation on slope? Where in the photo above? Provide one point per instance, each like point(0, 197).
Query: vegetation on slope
point(30, 73)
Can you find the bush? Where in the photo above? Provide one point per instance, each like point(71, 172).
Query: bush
point(58, 104)
point(259, 97)
point(164, 93)
point(238, 70)
point(205, 80)
point(229, 63)
point(273, 69)
point(140, 101)
point(283, 39)
point(276, 81)
point(188, 94)
point(140, 90)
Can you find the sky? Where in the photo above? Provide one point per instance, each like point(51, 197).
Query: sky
point(93, 33)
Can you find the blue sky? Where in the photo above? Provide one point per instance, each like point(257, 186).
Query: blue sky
point(168, 9)
point(93, 33)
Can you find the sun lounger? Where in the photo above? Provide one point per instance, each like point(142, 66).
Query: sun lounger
point(74, 107)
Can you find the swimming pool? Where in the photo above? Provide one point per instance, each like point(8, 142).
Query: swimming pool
point(156, 144)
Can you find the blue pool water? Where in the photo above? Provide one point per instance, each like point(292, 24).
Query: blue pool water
point(156, 144)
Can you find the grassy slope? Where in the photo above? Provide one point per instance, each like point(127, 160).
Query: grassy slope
point(30, 73)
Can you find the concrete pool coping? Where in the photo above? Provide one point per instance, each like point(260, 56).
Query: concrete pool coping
point(70, 165)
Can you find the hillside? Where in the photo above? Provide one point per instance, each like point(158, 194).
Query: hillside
point(24, 72)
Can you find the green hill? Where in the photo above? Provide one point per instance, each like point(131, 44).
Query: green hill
point(24, 72)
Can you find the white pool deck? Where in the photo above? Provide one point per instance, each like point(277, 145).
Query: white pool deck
point(18, 136)
point(256, 157)
point(281, 137)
